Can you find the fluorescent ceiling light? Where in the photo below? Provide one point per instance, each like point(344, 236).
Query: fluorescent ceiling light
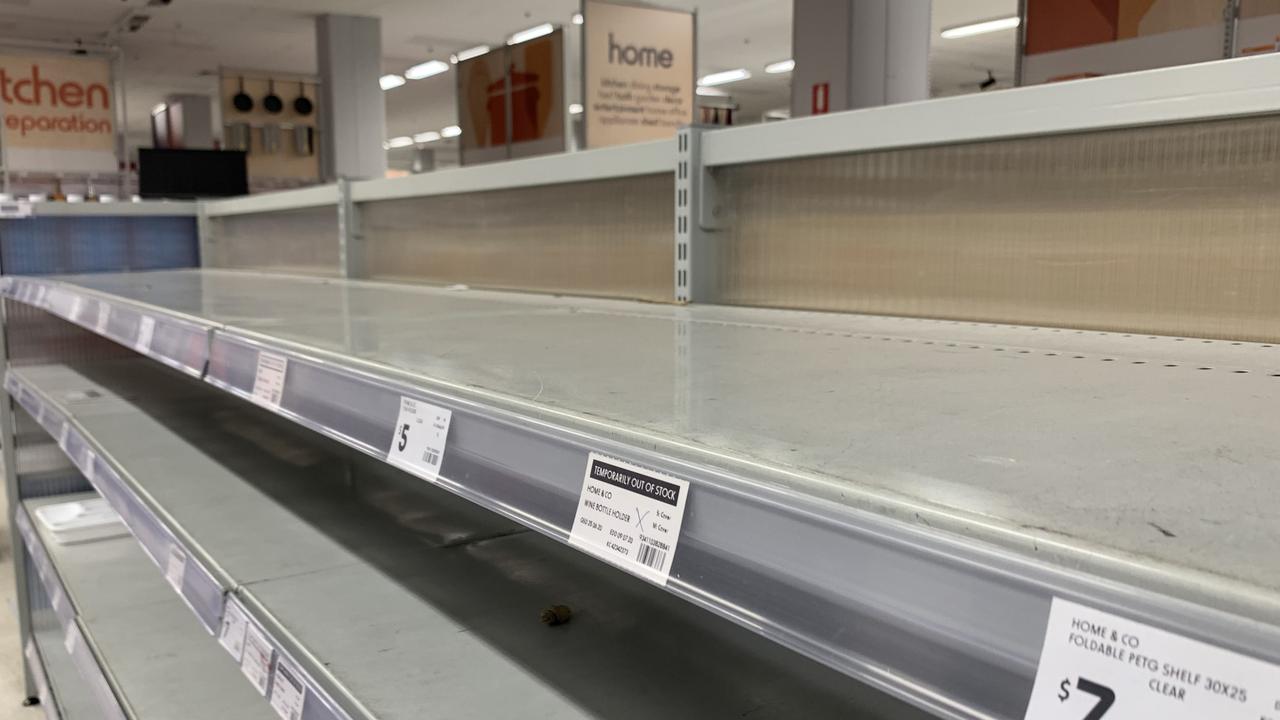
point(426, 137)
point(782, 66)
point(722, 78)
point(426, 69)
point(531, 33)
point(711, 92)
point(577, 18)
point(399, 142)
point(451, 131)
point(469, 53)
point(159, 109)
point(575, 109)
point(981, 28)
point(390, 81)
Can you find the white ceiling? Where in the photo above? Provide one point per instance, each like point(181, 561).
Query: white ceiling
point(185, 42)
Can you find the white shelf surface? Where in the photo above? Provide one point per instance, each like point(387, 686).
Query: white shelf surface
point(936, 481)
point(385, 623)
point(159, 662)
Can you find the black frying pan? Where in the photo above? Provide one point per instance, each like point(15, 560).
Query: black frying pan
point(302, 104)
point(272, 102)
point(242, 101)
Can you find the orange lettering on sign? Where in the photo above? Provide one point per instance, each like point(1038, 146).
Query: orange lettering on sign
point(34, 90)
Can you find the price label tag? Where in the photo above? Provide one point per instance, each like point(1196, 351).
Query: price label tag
point(1099, 666)
point(86, 464)
point(418, 440)
point(268, 384)
point(255, 661)
point(288, 693)
point(104, 317)
point(15, 208)
point(146, 328)
point(175, 568)
point(41, 292)
point(77, 302)
point(70, 638)
point(630, 516)
point(231, 635)
point(63, 435)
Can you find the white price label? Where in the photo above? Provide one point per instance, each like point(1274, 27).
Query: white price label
point(63, 435)
point(146, 328)
point(86, 464)
point(77, 302)
point(268, 384)
point(175, 568)
point(288, 693)
point(70, 638)
point(418, 440)
point(15, 208)
point(104, 317)
point(1099, 666)
point(231, 634)
point(41, 292)
point(58, 599)
point(630, 516)
point(255, 661)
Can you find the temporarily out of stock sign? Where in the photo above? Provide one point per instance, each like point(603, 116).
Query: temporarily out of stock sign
point(59, 113)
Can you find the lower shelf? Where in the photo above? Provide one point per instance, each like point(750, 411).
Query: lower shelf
point(136, 635)
point(385, 595)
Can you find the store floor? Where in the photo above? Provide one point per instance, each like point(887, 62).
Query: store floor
point(12, 692)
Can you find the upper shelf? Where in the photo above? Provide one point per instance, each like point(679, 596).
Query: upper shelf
point(945, 480)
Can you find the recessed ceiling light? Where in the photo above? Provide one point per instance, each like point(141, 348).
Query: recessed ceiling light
point(534, 32)
point(426, 69)
point(721, 78)
point(575, 109)
point(469, 53)
point(711, 92)
point(782, 66)
point(577, 18)
point(390, 81)
point(981, 28)
point(399, 142)
point(426, 137)
point(451, 131)
point(159, 109)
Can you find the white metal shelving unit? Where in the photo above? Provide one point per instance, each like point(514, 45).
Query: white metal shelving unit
point(904, 502)
point(920, 555)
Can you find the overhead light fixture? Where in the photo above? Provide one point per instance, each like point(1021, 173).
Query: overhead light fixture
point(711, 92)
point(426, 137)
point(159, 109)
point(531, 33)
point(399, 142)
point(451, 131)
point(469, 53)
point(575, 109)
point(577, 18)
point(426, 69)
point(725, 77)
point(782, 66)
point(390, 81)
point(981, 28)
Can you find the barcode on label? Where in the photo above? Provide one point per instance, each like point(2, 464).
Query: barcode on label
point(651, 555)
point(431, 457)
